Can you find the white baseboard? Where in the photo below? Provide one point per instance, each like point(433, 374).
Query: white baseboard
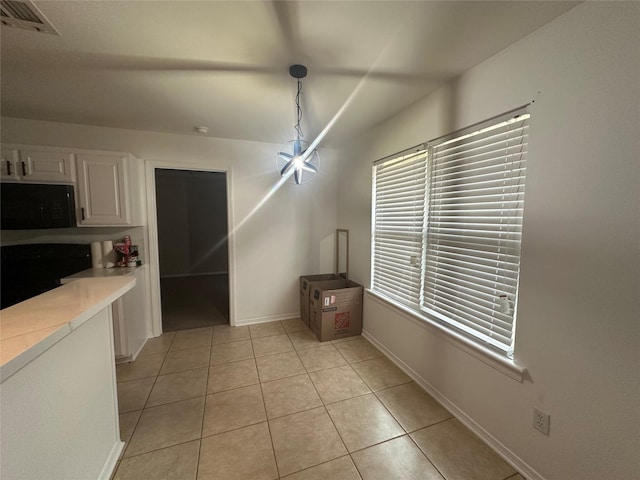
point(133, 356)
point(180, 275)
point(124, 359)
point(273, 318)
point(511, 458)
point(112, 461)
point(136, 353)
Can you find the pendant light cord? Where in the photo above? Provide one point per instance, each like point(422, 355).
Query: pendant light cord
point(299, 133)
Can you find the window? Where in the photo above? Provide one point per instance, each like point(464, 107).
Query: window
point(398, 226)
point(447, 226)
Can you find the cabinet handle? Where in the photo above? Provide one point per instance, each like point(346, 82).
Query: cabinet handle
point(24, 169)
point(82, 212)
point(9, 168)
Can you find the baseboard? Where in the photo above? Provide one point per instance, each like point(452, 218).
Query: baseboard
point(133, 356)
point(124, 359)
point(137, 352)
point(181, 275)
point(511, 458)
point(112, 460)
point(273, 318)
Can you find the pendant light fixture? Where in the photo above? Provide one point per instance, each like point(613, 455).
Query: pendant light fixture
point(298, 163)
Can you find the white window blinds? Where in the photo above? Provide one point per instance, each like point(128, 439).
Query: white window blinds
point(447, 226)
point(474, 227)
point(398, 224)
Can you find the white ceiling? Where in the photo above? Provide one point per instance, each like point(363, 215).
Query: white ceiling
point(167, 66)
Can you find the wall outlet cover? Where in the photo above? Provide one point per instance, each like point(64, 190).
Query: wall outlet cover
point(541, 421)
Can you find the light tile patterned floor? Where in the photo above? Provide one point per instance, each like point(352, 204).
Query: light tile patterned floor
point(269, 401)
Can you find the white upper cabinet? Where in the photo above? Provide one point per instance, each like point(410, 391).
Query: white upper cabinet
point(102, 189)
point(45, 166)
point(8, 169)
point(37, 165)
point(109, 186)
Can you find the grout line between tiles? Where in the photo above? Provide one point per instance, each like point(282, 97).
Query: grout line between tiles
point(189, 348)
point(380, 401)
point(379, 443)
point(264, 405)
point(158, 449)
point(269, 335)
point(295, 413)
point(432, 425)
point(322, 463)
point(356, 467)
point(324, 406)
point(234, 429)
point(345, 399)
point(515, 475)
point(389, 411)
point(336, 429)
point(133, 431)
point(375, 393)
point(204, 408)
point(232, 361)
point(427, 456)
point(360, 377)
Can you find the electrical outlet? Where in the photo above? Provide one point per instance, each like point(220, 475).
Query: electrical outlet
point(541, 421)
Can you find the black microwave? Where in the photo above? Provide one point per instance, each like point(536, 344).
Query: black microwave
point(28, 206)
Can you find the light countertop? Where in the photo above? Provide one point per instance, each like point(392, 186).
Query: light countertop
point(102, 273)
point(29, 328)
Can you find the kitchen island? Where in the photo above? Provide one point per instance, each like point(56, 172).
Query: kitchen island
point(58, 411)
point(131, 312)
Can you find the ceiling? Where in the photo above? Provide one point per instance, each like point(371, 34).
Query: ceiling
point(168, 66)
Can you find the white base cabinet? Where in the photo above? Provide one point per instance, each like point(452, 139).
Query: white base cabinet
point(59, 413)
point(131, 312)
point(131, 320)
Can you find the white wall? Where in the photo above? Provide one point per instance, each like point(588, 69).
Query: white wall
point(578, 312)
point(272, 246)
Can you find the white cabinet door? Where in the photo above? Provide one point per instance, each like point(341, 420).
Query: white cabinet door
point(131, 318)
point(45, 166)
point(102, 187)
point(8, 168)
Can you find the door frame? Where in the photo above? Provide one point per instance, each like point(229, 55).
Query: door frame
point(152, 222)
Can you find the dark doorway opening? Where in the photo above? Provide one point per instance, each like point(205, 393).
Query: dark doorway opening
point(193, 248)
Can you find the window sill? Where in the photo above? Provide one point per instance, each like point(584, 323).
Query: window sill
point(489, 357)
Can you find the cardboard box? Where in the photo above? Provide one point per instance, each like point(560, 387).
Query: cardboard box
point(305, 296)
point(336, 312)
point(306, 282)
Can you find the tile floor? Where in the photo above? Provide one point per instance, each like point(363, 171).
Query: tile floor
point(269, 401)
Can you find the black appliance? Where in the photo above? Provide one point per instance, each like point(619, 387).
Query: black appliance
point(29, 270)
point(33, 206)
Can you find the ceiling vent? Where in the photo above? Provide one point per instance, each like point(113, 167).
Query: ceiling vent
point(24, 14)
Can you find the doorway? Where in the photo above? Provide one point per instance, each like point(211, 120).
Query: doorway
point(193, 251)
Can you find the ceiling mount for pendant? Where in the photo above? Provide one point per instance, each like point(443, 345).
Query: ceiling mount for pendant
point(301, 165)
point(298, 71)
